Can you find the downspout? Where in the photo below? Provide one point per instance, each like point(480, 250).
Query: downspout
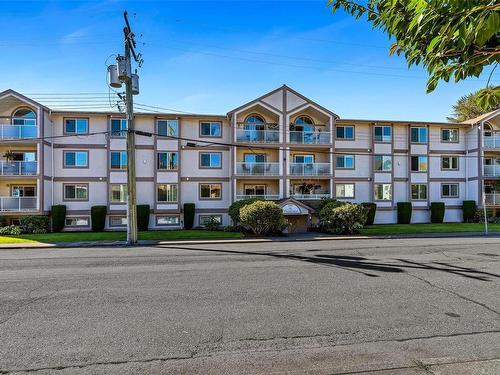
point(51, 160)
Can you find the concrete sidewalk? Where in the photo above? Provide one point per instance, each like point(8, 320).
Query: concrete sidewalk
point(287, 238)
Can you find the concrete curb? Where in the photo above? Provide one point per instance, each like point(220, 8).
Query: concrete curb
point(62, 245)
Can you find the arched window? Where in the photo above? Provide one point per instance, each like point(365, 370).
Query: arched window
point(304, 123)
point(488, 131)
point(24, 116)
point(254, 122)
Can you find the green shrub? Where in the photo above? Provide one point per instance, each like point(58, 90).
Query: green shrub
point(263, 217)
point(34, 224)
point(372, 210)
point(469, 211)
point(189, 210)
point(211, 223)
point(235, 207)
point(344, 219)
point(58, 215)
point(330, 201)
point(404, 212)
point(98, 218)
point(437, 212)
point(143, 216)
point(12, 230)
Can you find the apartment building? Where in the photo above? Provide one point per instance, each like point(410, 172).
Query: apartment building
point(281, 146)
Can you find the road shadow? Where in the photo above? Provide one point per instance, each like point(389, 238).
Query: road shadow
point(359, 264)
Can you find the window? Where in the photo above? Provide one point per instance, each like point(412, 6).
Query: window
point(449, 135)
point(419, 163)
point(76, 192)
point(24, 116)
point(118, 193)
point(345, 132)
point(210, 160)
point(418, 134)
point(344, 190)
point(254, 122)
point(168, 128)
point(76, 159)
point(303, 124)
point(204, 218)
point(118, 127)
point(118, 160)
point(449, 162)
point(383, 192)
point(253, 190)
point(117, 221)
point(167, 161)
point(345, 162)
point(83, 221)
point(23, 191)
point(382, 163)
point(303, 159)
point(418, 191)
point(167, 220)
point(210, 191)
point(76, 126)
point(449, 190)
point(210, 129)
point(382, 133)
point(166, 193)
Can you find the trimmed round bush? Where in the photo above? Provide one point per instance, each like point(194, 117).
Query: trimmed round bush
point(189, 210)
point(344, 219)
point(404, 212)
point(437, 212)
point(372, 210)
point(98, 217)
point(58, 215)
point(12, 230)
point(330, 201)
point(263, 217)
point(34, 224)
point(469, 211)
point(235, 207)
point(143, 216)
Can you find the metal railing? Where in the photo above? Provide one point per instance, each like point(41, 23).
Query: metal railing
point(492, 199)
point(310, 196)
point(492, 170)
point(313, 138)
point(309, 169)
point(257, 136)
point(258, 169)
point(18, 131)
point(492, 141)
point(272, 197)
point(18, 204)
point(18, 168)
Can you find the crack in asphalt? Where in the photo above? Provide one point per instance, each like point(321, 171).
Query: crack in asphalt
point(25, 304)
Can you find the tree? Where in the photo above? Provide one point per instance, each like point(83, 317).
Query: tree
point(467, 107)
point(452, 39)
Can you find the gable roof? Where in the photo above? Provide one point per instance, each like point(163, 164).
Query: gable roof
point(282, 202)
point(483, 117)
point(21, 97)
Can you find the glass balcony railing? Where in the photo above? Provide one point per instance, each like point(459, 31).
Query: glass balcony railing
point(17, 131)
point(257, 136)
point(309, 169)
point(492, 170)
point(492, 141)
point(18, 204)
point(18, 168)
point(264, 196)
point(258, 169)
point(492, 199)
point(311, 138)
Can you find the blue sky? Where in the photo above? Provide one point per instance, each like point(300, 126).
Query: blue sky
point(210, 57)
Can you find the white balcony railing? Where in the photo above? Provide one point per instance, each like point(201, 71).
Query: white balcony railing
point(257, 169)
point(18, 168)
point(492, 141)
point(310, 196)
point(257, 136)
point(17, 131)
point(492, 170)
point(312, 138)
point(18, 204)
point(265, 196)
point(309, 169)
point(492, 199)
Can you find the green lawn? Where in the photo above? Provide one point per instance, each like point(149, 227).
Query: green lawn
point(387, 229)
point(115, 236)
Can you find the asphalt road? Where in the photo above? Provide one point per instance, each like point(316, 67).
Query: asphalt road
point(429, 306)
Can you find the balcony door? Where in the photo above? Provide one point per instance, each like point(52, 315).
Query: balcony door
point(254, 163)
point(255, 190)
point(23, 191)
point(303, 159)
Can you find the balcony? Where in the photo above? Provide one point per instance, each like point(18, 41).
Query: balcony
point(492, 199)
point(310, 196)
point(492, 142)
point(309, 169)
point(18, 168)
point(309, 138)
point(492, 170)
point(18, 204)
point(17, 131)
point(257, 136)
point(257, 169)
point(270, 197)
